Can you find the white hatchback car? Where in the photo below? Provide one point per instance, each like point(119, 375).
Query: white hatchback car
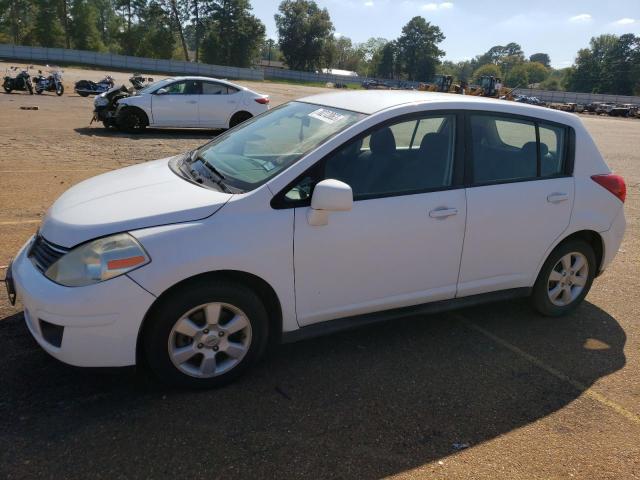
point(324, 213)
point(188, 102)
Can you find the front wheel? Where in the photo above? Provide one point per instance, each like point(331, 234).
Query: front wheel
point(30, 88)
point(7, 89)
point(205, 335)
point(565, 279)
point(131, 121)
point(59, 90)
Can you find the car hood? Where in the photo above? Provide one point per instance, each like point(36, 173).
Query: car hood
point(144, 195)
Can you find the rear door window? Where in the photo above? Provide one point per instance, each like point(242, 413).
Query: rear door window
point(503, 149)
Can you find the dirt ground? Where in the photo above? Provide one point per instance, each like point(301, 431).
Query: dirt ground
point(495, 392)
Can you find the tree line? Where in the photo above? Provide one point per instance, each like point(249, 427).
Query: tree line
point(226, 32)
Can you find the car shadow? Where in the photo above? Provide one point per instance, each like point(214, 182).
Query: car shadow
point(360, 404)
point(149, 133)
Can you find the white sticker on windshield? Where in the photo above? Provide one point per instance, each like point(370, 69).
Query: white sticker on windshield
point(326, 116)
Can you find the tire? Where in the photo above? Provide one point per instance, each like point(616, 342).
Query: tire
point(185, 359)
point(30, 88)
point(131, 121)
point(8, 89)
point(562, 294)
point(83, 94)
point(60, 90)
point(39, 91)
point(238, 118)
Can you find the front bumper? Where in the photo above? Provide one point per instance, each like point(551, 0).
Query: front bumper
point(98, 324)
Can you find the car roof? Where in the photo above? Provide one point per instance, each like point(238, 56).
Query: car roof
point(373, 101)
point(211, 79)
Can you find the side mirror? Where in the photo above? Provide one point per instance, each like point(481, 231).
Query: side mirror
point(161, 91)
point(329, 196)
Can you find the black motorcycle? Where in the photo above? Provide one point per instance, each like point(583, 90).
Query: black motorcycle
point(139, 82)
point(105, 105)
point(84, 88)
point(50, 83)
point(22, 81)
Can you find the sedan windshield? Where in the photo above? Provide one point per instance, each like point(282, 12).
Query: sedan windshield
point(262, 147)
point(152, 87)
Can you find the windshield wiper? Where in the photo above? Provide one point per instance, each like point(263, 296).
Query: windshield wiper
point(195, 155)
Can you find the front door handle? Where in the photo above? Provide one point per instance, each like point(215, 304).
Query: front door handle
point(443, 212)
point(557, 197)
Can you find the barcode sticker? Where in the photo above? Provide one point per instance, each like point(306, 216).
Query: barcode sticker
point(327, 116)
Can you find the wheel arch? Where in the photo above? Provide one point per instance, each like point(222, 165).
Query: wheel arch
point(592, 237)
point(239, 113)
point(263, 289)
point(126, 107)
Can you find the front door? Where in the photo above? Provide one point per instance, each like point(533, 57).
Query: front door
point(401, 243)
point(177, 106)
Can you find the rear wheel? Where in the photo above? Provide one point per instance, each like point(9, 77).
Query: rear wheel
point(206, 334)
point(83, 94)
point(565, 278)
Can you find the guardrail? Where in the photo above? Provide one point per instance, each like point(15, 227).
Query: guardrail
point(83, 57)
point(170, 67)
point(575, 97)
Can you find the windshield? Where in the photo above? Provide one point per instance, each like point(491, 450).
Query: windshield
point(155, 85)
point(264, 146)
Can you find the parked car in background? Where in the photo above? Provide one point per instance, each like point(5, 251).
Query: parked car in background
point(329, 212)
point(181, 102)
point(375, 85)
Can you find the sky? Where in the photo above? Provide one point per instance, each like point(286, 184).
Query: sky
point(557, 27)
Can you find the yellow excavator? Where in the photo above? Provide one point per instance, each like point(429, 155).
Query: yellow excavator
point(489, 86)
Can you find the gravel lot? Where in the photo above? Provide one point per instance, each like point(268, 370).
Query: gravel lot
point(496, 392)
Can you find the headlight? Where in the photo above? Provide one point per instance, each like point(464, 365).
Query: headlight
point(101, 101)
point(98, 260)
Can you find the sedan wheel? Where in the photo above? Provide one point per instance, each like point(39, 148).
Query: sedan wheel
point(210, 340)
point(205, 333)
point(565, 278)
point(568, 279)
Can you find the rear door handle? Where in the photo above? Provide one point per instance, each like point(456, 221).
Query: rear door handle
point(443, 212)
point(557, 197)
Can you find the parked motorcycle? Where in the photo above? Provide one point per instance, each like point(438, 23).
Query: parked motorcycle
point(50, 83)
point(22, 80)
point(84, 88)
point(139, 82)
point(105, 105)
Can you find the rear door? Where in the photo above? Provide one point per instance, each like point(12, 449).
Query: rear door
point(178, 106)
point(217, 103)
point(519, 199)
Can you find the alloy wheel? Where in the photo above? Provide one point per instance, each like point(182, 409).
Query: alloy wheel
point(209, 340)
point(568, 279)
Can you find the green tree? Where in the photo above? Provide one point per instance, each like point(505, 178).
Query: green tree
point(303, 31)
point(542, 58)
point(518, 76)
point(536, 72)
point(386, 66)
point(84, 30)
point(48, 31)
point(233, 35)
point(418, 49)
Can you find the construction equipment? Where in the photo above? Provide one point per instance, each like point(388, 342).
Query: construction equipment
point(440, 83)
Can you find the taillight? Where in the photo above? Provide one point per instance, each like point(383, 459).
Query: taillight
point(614, 183)
point(262, 100)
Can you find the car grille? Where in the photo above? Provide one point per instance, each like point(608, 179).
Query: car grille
point(43, 254)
